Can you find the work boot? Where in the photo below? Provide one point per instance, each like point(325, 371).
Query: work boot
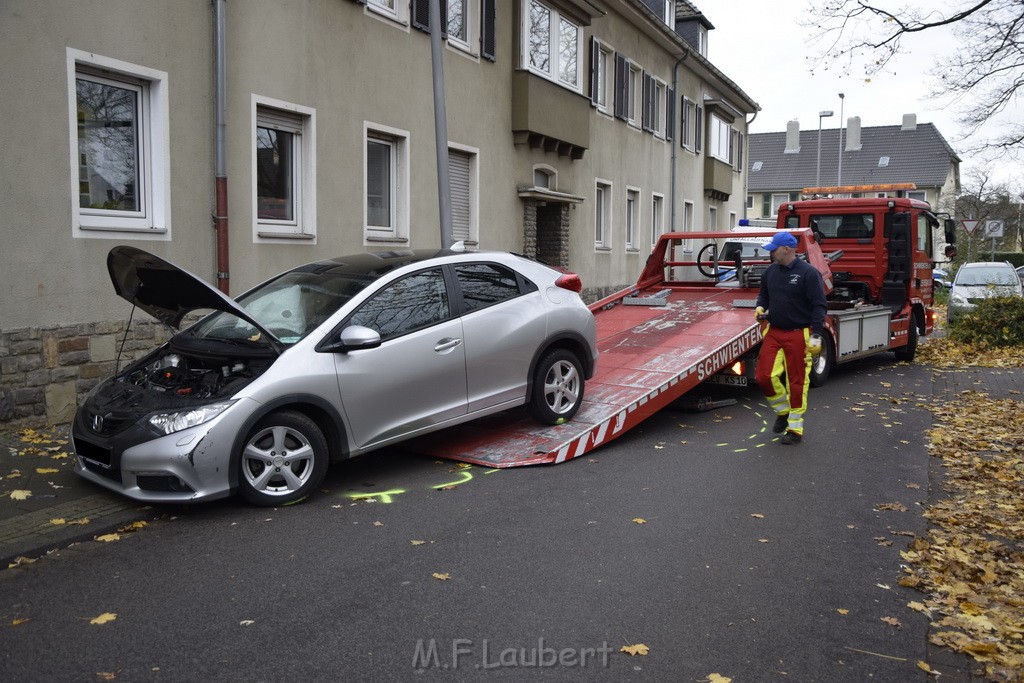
point(790, 438)
point(781, 422)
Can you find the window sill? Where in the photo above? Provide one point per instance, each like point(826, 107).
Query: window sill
point(387, 240)
point(285, 235)
point(603, 248)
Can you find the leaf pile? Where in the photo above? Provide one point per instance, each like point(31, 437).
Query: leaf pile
point(971, 566)
point(946, 352)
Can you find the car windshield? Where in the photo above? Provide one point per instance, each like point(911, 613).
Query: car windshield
point(748, 250)
point(986, 275)
point(289, 306)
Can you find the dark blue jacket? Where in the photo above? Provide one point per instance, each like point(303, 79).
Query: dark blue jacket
point(794, 296)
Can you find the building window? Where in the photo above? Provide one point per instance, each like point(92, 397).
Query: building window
point(551, 44)
point(120, 146)
point(719, 139)
point(750, 201)
point(657, 217)
point(632, 201)
point(462, 165)
point(602, 214)
point(777, 201)
point(658, 108)
point(702, 41)
point(545, 178)
point(386, 184)
point(392, 9)
point(919, 195)
point(688, 216)
point(284, 183)
point(601, 73)
point(712, 218)
point(633, 94)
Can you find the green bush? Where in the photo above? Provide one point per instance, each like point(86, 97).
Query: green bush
point(998, 321)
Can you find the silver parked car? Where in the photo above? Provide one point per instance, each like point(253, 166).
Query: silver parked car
point(324, 362)
point(981, 280)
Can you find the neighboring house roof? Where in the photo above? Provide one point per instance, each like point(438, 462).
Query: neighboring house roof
point(687, 11)
point(917, 155)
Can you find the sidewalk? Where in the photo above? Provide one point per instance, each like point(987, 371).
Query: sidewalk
point(54, 507)
point(63, 508)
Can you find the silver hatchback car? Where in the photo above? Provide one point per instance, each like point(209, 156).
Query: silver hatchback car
point(324, 362)
point(981, 280)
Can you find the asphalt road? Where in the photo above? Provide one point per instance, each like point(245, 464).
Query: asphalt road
point(696, 535)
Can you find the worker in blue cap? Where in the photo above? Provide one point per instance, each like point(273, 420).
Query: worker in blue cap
point(792, 300)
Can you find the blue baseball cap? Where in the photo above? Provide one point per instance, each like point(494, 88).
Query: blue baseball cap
point(781, 239)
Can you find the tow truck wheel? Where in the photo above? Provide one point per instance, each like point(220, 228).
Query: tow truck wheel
point(704, 251)
point(822, 365)
point(557, 387)
point(284, 459)
point(908, 352)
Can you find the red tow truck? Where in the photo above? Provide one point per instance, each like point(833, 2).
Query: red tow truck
point(689, 319)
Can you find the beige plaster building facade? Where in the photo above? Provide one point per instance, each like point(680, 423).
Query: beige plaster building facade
point(239, 138)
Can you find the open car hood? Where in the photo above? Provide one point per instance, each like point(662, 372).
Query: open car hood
point(167, 292)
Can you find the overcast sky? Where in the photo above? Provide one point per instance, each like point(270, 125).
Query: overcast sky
point(761, 46)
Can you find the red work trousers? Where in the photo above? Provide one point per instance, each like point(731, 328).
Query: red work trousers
point(784, 352)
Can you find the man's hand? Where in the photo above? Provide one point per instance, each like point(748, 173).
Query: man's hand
point(759, 314)
point(814, 345)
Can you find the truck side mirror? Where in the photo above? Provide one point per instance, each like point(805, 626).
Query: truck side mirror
point(950, 228)
point(950, 252)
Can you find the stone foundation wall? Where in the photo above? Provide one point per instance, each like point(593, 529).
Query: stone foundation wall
point(45, 372)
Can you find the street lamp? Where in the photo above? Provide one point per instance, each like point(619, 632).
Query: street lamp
point(842, 125)
point(817, 174)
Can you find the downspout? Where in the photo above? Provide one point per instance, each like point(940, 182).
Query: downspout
point(444, 192)
point(220, 216)
point(675, 143)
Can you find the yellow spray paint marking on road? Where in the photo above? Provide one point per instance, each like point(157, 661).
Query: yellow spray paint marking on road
point(383, 496)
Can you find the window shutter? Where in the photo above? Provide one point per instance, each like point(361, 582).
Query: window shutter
point(421, 16)
point(670, 113)
point(487, 37)
point(739, 151)
point(458, 172)
point(595, 57)
point(646, 115)
point(684, 121)
point(698, 137)
point(621, 87)
point(279, 119)
point(766, 205)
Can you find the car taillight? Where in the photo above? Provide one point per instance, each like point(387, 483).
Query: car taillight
point(570, 281)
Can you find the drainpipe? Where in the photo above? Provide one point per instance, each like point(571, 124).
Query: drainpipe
point(220, 216)
point(444, 194)
point(675, 143)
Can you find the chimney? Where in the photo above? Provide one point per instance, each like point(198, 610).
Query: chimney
point(909, 122)
point(853, 134)
point(793, 137)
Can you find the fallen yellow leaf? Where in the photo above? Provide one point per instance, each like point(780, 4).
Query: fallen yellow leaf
point(843, 611)
point(134, 526)
point(418, 542)
point(718, 678)
point(638, 649)
point(46, 470)
point(640, 520)
point(20, 494)
point(758, 515)
point(441, 577)
point(923, 666)
point(58, 521)
point(103, 618)
point(107, 538)
point(18, 622)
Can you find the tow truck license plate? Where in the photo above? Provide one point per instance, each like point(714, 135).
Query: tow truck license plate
point(732, 380)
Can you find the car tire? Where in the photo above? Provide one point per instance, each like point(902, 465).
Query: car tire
point(557, 387)
point(821, 366)
point(283, 460)
point(907, 353)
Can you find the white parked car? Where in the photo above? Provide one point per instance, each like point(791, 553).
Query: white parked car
point(978, 281)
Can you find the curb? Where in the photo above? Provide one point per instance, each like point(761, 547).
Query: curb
point(33, 534)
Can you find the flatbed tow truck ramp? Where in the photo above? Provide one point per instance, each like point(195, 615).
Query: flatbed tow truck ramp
point(656, 343)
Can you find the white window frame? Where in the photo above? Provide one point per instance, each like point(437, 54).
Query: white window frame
point(398, 231)
point(712, 218)
point(603, 193)
point(702, 41)
point(732, 220)
point(303, 222)
point(657, 216)
point(688, 124)
point(632, 217)
point(719, 139)
point(778, 200)
point(471, 12)
point(553, 71)
point(605, 77)
point(398, 11)
point(474, 190)
point(688, 216)
point(634, 93)
point(659, 107)
point(153, 220)
point(550, 172)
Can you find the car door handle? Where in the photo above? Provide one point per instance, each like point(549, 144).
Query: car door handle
point(446, 344)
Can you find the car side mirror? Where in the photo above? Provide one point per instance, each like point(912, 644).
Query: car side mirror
point(352, 338)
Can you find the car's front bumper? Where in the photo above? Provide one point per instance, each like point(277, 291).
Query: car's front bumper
point(187, 466)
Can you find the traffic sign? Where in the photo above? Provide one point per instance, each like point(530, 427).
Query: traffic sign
point(969, 226)
point(994, 228)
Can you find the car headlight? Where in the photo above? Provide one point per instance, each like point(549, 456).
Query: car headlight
point(168, 423)
point(956, 298)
